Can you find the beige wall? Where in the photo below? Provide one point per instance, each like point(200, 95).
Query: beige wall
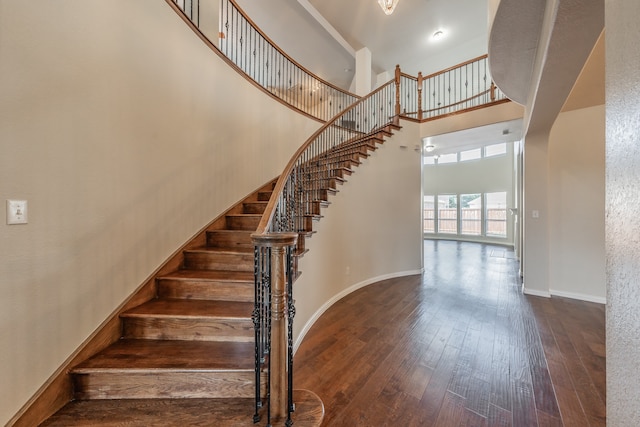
point(126, 135)
point(563, 250)
point(576, 205)
point(371, 231)
point(535, 250)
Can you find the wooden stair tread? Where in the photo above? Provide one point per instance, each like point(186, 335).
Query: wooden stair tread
point(142, 355)
point(221, 412)
point(223, 250)
point(212, 275)
point(230, 231)
point(190, 308)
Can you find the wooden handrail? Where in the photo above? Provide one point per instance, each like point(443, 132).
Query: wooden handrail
point(267, 216)
point(299, 69)
point(460, 102)
point(462, 64)
point(308, 104)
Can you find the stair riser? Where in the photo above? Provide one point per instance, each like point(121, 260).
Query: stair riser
point(242, 222)
point(219, 261)
point(264, 196)
point(206, 290)
point(254, 207)
point(308, 224)
point(340, 173)
point(202, 329)
point(349, 164)
point(322, 195)
point(230, 239)
point(162, 384)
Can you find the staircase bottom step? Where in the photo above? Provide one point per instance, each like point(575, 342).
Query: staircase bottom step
point(180, 412)
point(176, 385)
point(155, 412)
point(145, 369)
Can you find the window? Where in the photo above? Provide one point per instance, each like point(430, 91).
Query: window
point(429, 160)
point(496, 214)
point(448, 214)
point(448, 158)
point(474, 214)
point(471, 214)
point(470, 155)
point(495, 149)
point(429, 215)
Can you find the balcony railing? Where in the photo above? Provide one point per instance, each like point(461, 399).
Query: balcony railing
point(240, 40)
point(464, 87)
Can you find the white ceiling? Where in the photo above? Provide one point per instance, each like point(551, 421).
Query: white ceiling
point(467, 139)
point(403, 38)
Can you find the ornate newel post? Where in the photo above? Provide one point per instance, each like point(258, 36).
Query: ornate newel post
point(280, 381)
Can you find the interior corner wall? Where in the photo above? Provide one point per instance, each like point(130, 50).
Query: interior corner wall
point(576, 205)
point(126, 135)
point(622, 159)
point(535, 215)
point(371, 231)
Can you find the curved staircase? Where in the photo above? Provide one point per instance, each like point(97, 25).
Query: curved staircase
point(186, 357)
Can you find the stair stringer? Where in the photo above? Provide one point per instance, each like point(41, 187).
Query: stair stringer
point(58, 390)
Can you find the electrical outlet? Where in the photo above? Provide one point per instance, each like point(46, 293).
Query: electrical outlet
point(16, 212)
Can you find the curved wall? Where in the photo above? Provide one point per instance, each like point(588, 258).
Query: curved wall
point(126, 135)
point(370, 232)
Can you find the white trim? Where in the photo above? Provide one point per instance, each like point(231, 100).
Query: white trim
point(343, 294)
point(581, 297)
point(563, 294)
point(327, 27)
point(535, 292)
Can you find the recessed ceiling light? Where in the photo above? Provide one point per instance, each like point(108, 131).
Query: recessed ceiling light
point(429, 148)
point(438, 35)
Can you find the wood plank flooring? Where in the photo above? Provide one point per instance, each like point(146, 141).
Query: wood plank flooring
point(459, 345)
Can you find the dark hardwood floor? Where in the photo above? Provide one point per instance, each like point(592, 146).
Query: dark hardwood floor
point(458, 346)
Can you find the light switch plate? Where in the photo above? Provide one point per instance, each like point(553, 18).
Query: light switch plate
point(16, 212)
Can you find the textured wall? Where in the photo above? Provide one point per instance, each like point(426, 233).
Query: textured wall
point(623, 211)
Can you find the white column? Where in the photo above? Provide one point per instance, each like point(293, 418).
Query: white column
point(363, 71)
point(535, 216)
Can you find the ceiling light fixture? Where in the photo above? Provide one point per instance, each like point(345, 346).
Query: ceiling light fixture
point(388, 5)
point(429, 148)
point(438, 35)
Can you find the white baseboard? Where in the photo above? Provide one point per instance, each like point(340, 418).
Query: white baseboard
point(535, 292)
point(563, 294)
point(344, 293)
point(581, 297)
